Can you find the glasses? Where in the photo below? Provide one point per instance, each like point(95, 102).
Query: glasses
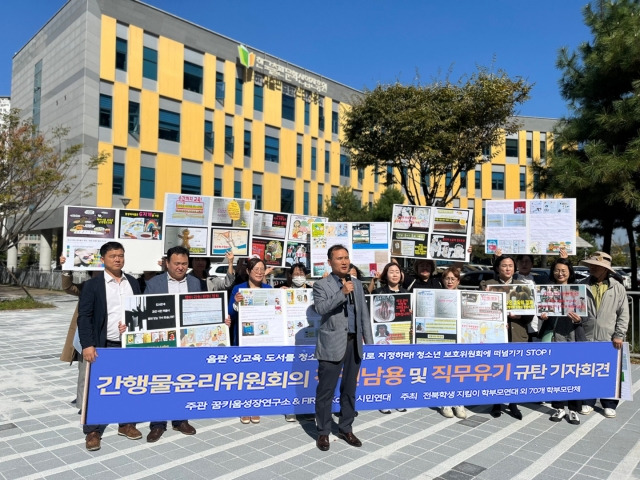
point(560, 272)
point(450, 279)
point(258, 270)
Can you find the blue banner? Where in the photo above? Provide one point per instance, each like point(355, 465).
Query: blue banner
point(136, 385)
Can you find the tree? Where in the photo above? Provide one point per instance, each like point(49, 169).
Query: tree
point(345, 206)
point(427, 136)
point(37, 175)
point(382, 210)
point(599, 162)
point(28, 256)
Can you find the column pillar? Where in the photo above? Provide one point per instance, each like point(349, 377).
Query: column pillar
point(45, 250)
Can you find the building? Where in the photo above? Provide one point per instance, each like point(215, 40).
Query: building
point(179, 108)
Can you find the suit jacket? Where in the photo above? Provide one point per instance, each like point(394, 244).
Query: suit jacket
point(332, 335)
point(68, 351)
point(92, 310)
point(160, 284)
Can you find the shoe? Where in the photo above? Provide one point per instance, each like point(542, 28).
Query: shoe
point(496, 410)
point(401, 410)
point(586, 410)
point(351, 439)
point(130, 431)
point(92, 441)
point(386, 411)
point(515, 411)
point(245, 420)
point(574, 419)
point(74, 401)
point(290, 418)
point(155, 434)
point(255, 419)
point(558, 415)
point(609, 413)
point(323, 442)
point(446, 412)
point(460, 412)
point(185, 428)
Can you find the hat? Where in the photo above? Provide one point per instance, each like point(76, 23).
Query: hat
point(600, 259)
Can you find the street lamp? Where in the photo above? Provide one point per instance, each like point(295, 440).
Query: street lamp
point(125, 201)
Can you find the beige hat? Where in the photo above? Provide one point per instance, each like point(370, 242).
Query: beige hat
point(600, 259)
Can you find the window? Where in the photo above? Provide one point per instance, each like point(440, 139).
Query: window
point(105, 111)
point(478, 180)
point(220, 86)
point(543, 149)
point(288, 102)
point(536, 182)
point(257, 196)
point(334, 122)
point(486, 150)
point(307, 113)
point(299, 155)
point(247, 143)
point(512, 147)
point(463, 179)
point(286, 200)
point(272, 151)
point(497, 180)
point(523, 181)
point(305, 204)
point(528, 148)
point(447, 179)
point(208, 135)
point(360, 175)
point(314, 157)
point(217, 187)
point(190, 184)
point(228, 140)
point(345, 164)
point(319, 204)
point(375, 176)
point(147, 182)
point(121, 54)
point(239, 84)
point(37, 92)
point(149, 63)
point(134, 118)
point(237, 189)
point(389, 175)
point(258, 97)
point(327, 161)
point(118, 178)
point(321, 117)
point(484, 216)
point(169, 126)
point(192, 77)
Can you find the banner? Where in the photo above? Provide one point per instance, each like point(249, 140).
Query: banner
point(139, 385)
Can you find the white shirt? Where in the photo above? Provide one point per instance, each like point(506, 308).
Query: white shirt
point(177, 286)
point(115, 303)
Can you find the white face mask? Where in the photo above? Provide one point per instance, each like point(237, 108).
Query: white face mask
point(298, 281)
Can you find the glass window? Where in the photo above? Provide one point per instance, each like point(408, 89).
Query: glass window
point(220, 86)
point(149, 63)
point(334, 122)
point(190, 184)
point(192, 77)
point(327, 161)
point(360, 175)
point(208, 135)
point(286, 200)
point(105, 111)
point(319, 204)
point(486, 151)
point(497, 180)
point(543, 149)
point(237, 189)
point(528, 148)
point(345, 166)
point(478, 180)
point(239, 84)
point(305, 204)
point(307, 113)
point(483, 216)
point(299, 155)
point(228, 140)
point(512, 147)
point(258, 98)
point(121, 54)
point(272, 150)
point(169, 126)
point(134, 118)
point(447, 179)
point(523, 181)
point(217, 187)
point(247, 143)
point(288, 102)
point(118, 178)
point(321, 117)
point(147, 182)
point(257, 196)
point(463, 179)
point(314, 158)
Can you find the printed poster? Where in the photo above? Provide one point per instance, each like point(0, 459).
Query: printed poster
point(436, 312)
point(559, 300)
point(140, 232)
point(193, 210)
point(520, 298)
point(86, 229)
point(391, 318)
point(483, 317)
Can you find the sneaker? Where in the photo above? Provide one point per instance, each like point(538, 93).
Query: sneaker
point(586, 410)
point(386, 411)
point(93, 441)
point(401, 410)
point(460, 412)
point(130, 431)
point(558, 415)
point(446, 412)
point(290, 418)
point(245, 420)
point(609, 413)
point(255, 419)
point(574, 419)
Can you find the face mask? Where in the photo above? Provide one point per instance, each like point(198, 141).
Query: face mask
point(298, 281)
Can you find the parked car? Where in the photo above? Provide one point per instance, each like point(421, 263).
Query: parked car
point(473, 278)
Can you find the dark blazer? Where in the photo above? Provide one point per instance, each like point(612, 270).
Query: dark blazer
point(160, 284)
point(332, 335)
point(92, 311)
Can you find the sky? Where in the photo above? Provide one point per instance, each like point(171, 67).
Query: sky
point(363, 43)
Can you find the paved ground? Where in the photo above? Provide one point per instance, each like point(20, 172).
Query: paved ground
point(41, 437)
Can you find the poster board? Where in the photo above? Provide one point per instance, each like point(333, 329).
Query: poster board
point(559, 300)
point(520, 297)
point(391, 318)
point(538, 227)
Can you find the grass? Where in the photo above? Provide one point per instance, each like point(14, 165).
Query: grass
point(25, 303)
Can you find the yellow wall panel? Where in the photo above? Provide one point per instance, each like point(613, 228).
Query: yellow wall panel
point(134, 61)
point(209, 81)
point(108, 49)
point(288, 141)
point(512, 181)
point(272, 106)
point(132, 177)
point(120, 114)
point(170, 68)
point(149, 112)
point(104, 187)
point(192, 131)
point(168, 176)
point(207, 178)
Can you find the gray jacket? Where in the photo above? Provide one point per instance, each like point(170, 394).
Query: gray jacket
point(612, 318)
point(332, 335)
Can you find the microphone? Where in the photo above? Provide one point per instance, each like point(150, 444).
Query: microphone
point(347, 277)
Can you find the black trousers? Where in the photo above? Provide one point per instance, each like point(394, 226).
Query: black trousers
point(328, 376)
